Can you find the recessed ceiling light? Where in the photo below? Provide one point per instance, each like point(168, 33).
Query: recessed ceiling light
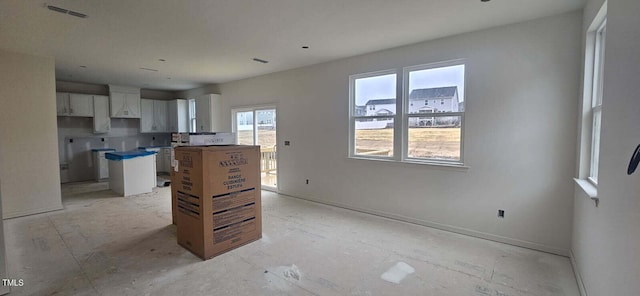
point(162, 60)
point(260, 60)
point(305, 47)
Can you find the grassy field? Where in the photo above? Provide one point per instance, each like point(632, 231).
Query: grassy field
point(423, 142)
point(441, 143)
point(266, 138)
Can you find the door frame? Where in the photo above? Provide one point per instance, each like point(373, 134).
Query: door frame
point(234, 127)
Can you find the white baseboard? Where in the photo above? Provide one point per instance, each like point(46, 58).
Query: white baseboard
point(15, 214)
point(450, 228)
point(576, 272)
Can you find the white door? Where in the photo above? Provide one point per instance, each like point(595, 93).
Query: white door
point(101, 120)
point(257, 126)
point(132, 105)
point(203, 114)
point(62, 103)
point(81, 105)
point(160, 118)
point(146, 116)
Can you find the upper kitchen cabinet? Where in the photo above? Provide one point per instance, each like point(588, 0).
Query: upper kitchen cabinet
point(153, 116)
point(101, 119)
point(68, 104)
point(125, 101)
point(208, 113)
point(179, 116)
point(62, 103)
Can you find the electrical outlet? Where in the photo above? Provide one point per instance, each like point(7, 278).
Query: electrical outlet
point(287, 143)
point(500, 213)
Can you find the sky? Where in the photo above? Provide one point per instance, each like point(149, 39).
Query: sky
point(384, 87)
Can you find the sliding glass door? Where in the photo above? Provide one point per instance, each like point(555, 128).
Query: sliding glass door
point(257, 126)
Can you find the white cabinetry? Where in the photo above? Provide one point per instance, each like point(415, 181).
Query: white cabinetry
point(166, 160)
point(208, 113)
point(125, 101)
point(163, 158)
point(62, 103)
point(160, 116)
point(100, 163)
point(101, 119)
point(68, 104)
point(153, 116)
point(178, 116)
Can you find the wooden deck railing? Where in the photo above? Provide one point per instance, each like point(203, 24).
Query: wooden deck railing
point(268, 159)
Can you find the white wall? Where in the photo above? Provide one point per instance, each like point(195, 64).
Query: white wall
point(28, 144)
point(520, 136)
point(192, 93)
point(605, 242)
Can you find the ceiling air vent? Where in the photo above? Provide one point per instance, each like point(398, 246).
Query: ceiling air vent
point(65, 11)
point(260, 60)
point(77, 14)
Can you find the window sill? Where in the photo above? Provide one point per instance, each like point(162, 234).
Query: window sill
point(442, 165)
point(589, 189)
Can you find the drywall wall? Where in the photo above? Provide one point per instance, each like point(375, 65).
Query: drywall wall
point(520, 136)
point(29, 172)
point(157, 94)
point(192, 93)
point(605, 238)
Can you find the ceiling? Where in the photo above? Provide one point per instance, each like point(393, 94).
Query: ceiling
point(214, 41)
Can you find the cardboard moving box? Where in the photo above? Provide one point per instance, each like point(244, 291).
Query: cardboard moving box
point(217, 198)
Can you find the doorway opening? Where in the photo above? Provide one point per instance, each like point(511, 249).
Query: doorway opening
point(257, 126)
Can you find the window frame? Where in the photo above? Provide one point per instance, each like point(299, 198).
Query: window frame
point(353, 118)
point(597, 79)
point(405, 113)
point(401, 116)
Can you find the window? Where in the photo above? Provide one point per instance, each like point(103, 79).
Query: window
point(192, 115)
point(437, 138)
point(401, 132)
point(373, 132)
point(596, 101)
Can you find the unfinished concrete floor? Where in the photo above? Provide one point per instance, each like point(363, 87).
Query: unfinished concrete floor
point(101, 244)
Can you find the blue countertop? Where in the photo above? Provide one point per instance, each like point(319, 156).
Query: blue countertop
point(103, 149)
point(127, 154)
point(151, 147)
